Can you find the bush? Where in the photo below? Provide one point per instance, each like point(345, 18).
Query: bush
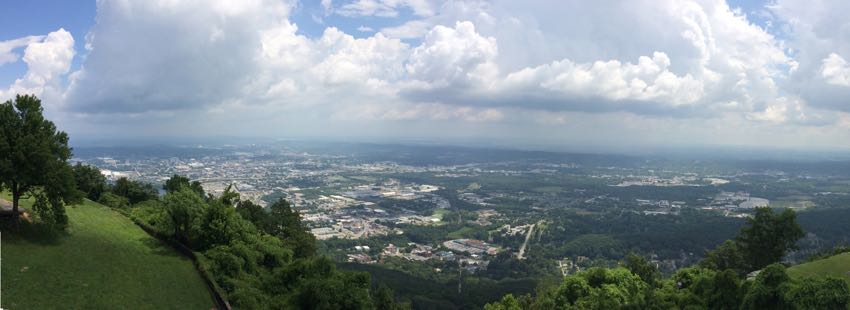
point(50, 213)
point(114, 201)
point(254, 269)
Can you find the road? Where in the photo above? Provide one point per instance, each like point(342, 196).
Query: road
point(521, 254)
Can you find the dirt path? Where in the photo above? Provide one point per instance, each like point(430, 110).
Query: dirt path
point(6, 209)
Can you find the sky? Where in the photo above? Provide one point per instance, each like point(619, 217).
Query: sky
point(576, 75)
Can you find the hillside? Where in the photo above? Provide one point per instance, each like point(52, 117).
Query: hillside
point(104, 261)
point(837, 266)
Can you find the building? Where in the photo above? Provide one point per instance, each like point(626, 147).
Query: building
point(470, 246)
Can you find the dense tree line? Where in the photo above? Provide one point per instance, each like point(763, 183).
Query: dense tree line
point(261, 258)
point(691, 231)
point(689, 288)
point(717, 282)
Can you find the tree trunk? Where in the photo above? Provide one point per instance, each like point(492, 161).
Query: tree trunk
point(16, 197)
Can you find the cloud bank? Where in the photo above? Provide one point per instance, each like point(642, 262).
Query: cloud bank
point(701, 67)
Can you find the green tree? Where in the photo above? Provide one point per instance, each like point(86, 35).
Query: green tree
point(229, 197)
point(184, 209)
point(727, 255)
point(767, 236)
point(821, 293)
point(134, 191)
point(697, 283)
point(253, 213)
point(90, 181)
point(219, 225)
point(602, 288)
point(384, 299)
point(34, 159)
point(176, 182)
point(642, 268)
point(314, 283)
point(113, 201)
point(344, 291)
point(571, 290)
point(285, 223)
point(509, 302)
point(767, 292)
point(725, 291)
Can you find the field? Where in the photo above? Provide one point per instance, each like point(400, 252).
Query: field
point(103, 262)
point(837, 266)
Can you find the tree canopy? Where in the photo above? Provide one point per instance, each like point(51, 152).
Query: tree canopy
point(176, 182)
point(768, 236)
point(717, 282)
point(89, 181)
point(34, 160)
point(134, 191)
point(260, 259)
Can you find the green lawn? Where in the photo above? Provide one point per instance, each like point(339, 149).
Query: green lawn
point(103, 262)
point(837, 266)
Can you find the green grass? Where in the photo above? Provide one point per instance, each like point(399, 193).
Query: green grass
point(440, 213)
point(465, 232)
point(837, 266)
point(103, 262)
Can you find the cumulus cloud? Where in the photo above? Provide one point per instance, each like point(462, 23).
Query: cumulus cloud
point(408, 30)
point(817, 34)
point(647, 80)
point(48, 58)
point(672, 58)
point(785, 110)
point(668, 58)
point(353, 60)
point(183, 54)
point(458, 61)
point(835, 70)
point(453, 55)
point(7, 47)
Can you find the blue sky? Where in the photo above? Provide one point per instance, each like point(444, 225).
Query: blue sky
point(38, 17)
point(545, 72)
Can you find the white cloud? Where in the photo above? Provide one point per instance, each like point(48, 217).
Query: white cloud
point(327, 5)
point(6, 48)
point(183, 54)
point(408, 30)
point(385, 8)
point(816, 33)
point(709, 60)
point(418, 112)
point(648, 80)
point(48, 58)
point(477, 62)
point(353, 60)
point(835, 70)
point(453, 55)
point(665, 58)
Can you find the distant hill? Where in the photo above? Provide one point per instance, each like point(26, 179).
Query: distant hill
point(103, 262)
point(837, 266)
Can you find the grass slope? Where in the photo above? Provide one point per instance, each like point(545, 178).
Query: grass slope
point(103, 262)
point(837, 266)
